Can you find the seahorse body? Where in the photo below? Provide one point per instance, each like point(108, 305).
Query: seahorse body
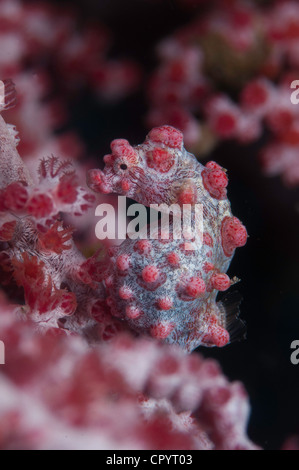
point(168, 288)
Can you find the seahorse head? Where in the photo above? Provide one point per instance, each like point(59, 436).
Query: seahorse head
point(148, 172)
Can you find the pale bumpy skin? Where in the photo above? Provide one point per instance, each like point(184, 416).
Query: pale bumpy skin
point(168, 288)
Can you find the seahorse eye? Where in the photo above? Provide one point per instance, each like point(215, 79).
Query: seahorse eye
point(123, 166)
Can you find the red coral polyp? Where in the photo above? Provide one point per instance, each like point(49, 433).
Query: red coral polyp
point(15, 196)
point(29, 270)
point(40, 205)
point(67, 189)
point(68, 303)
point(55, 239)
point(7, 231)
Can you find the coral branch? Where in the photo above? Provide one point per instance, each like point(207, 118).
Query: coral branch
point(12, 167)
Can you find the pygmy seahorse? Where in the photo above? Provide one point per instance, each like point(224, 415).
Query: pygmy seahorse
point(168, 287)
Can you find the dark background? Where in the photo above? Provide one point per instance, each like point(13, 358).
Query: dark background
point(267, 265)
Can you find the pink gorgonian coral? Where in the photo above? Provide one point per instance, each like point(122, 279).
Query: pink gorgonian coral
point(57, 393)
point(38, 253)
point(227, 75)
point(50, 54)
